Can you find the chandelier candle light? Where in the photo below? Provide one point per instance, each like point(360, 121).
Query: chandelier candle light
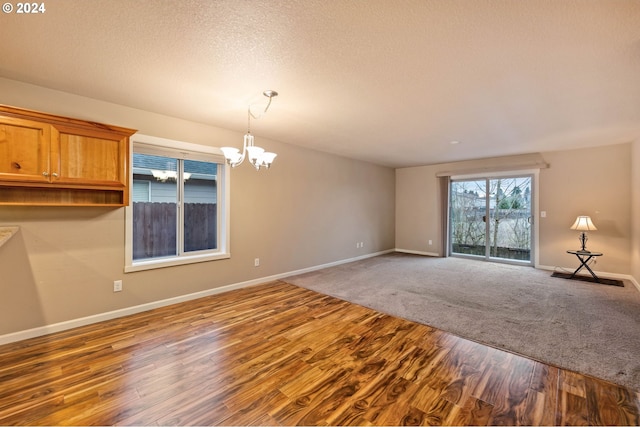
point(257, 155)
point(583, 223)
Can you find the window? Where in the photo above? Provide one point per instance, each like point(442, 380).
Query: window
point(178, 212)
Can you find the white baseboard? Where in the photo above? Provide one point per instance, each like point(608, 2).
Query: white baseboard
point(409, 251)
point(598, 273)
point(70, 324)
point(83, 321)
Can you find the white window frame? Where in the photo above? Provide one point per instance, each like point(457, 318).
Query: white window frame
point(187, 151)
point(535, 212)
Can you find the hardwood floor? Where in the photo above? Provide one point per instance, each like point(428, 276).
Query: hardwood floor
point(277, 354)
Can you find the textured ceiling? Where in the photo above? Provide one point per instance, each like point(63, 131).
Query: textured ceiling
point(386, 81)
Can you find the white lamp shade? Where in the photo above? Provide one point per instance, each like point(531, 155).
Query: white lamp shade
point(230, 152)
point(267, 157)
point(583, 223)
point(254, 152)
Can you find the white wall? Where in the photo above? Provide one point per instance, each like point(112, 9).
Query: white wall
point(309, 209)
point(592, 181)
point(595, 182)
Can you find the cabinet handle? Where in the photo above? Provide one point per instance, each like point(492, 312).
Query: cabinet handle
point(55, 175)
point(45, 173)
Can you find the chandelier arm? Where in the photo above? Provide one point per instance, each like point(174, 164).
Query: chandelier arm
point(242, 156)
point(244, 148)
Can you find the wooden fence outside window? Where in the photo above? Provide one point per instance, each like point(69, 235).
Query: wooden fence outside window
point(154, 228)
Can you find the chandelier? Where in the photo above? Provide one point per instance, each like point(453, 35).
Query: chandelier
point(258, 157)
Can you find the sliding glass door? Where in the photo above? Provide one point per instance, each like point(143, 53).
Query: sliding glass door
point(491, 218)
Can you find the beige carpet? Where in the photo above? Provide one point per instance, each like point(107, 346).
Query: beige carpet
point(586, 327)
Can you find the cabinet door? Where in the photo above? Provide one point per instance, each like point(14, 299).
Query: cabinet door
point(24, 150)
point(89, 159)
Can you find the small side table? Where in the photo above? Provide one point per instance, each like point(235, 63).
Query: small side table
point(584, 258)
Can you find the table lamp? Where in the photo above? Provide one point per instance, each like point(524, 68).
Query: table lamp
point(583, 223)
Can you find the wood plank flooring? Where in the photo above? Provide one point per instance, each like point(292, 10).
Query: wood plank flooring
point(277, 354)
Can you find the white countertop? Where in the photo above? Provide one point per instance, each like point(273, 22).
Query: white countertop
point(6, 233)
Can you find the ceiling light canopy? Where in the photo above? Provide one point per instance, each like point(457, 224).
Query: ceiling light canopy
point(258, 157)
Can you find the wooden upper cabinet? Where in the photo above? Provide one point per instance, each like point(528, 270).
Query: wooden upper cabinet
point(93, 158)
point(53, 160)
point(24, 150)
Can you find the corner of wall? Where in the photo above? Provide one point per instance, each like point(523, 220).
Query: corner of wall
point(635, 211)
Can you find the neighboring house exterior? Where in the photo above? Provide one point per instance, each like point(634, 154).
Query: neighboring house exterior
point(154, 180)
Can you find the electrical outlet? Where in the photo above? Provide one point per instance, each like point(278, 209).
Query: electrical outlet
point(117, 286)
point(256, 262)
point(430, 242)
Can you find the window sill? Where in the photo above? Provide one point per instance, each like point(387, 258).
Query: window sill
point(173, 261)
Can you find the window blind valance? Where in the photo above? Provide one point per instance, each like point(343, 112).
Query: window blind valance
point(493, 165)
